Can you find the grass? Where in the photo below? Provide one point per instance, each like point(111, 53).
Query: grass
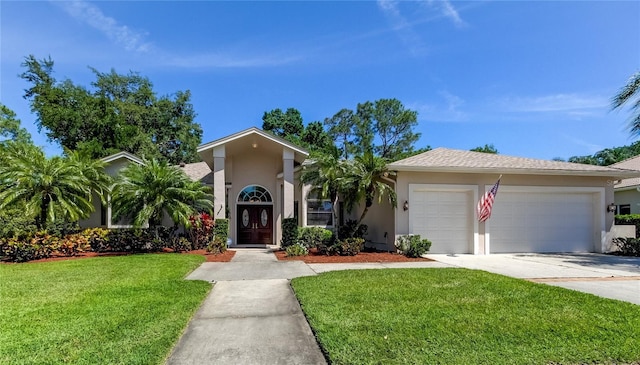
point(458, 316)
point(108, 310)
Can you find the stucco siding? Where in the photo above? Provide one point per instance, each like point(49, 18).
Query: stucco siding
point(600, 185)
point(631, 197)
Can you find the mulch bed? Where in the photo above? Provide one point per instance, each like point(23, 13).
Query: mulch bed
point(223, 257)
point(315, 258)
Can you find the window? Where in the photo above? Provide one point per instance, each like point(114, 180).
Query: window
point(318, 209)
point(624, 209)
point(254, 194)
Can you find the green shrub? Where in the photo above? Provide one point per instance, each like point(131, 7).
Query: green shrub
point(180, 244)
point(221, 229)
point(297, 249)
point(351, 229)
point(289, 232)
point(97, 238)
point(412, 245)
point(73, 244)
point(35, 246)
point(312, 237)
point(629, 219)
point(14, 223)
point(350, 246)
point(217, 246)
point(137, 239)
point(627, 246)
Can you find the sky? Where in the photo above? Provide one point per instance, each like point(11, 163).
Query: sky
point(534, 79)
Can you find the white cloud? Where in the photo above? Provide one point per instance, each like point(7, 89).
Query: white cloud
point(409, 37)
point(448, 11)
point(219, 60)
point(91, 15)
point(448, 111)
point(575, 104)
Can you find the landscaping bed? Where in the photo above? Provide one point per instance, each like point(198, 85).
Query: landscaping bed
point(314, 257)
point(209, 257)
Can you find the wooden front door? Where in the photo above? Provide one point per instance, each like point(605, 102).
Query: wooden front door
point(255, 224)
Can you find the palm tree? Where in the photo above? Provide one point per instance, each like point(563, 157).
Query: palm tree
point(326, 171)
point(630, 93)
point(366, 180)
point(146, 191)
point(99, 181)
point(51, 188)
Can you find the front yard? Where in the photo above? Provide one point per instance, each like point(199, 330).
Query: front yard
point(458, 316)
point(108, 310)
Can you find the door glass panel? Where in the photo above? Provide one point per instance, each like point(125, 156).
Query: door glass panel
point(264, 217)
point(245, 218)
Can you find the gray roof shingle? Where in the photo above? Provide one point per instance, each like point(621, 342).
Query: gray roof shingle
point(450, 160)
point(632, 163)
point(199, 171)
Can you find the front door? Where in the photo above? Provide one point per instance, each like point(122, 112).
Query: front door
point(255, 224)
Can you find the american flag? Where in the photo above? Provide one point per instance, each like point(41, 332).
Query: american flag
point(486, 202)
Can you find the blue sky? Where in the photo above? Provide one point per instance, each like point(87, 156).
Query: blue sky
point(533, 78)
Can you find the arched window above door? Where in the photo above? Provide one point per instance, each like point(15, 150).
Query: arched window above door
point(254, 194)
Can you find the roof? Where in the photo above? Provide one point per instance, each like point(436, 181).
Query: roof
point(632, 163)
point(249, 131)
point(252, 137)
point(198, 171)
point(122, 155)
point(450, 160)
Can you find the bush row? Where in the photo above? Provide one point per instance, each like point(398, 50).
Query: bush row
point(627, 246)
point(43, 244)
point(298, 240)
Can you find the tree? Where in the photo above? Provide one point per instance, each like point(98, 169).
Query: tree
point(10, 129)
point(326, 171)
point(609, 156)
point(118, 113)
point(340, 129)
point(289, 125)
point(413, 152)
point(630, 93)
point(487, 148)
point(50, 188)
point(386, 127)
point(146, 191)
point(315, 138)
point(286, 125)
point(365, 180)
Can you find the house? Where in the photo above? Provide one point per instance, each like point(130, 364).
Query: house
point(541, 206)
point(627, 191)
point(101, 216)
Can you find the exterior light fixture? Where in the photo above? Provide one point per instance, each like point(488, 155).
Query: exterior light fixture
point(254, 145)
point(611, 208)
point(405, 206)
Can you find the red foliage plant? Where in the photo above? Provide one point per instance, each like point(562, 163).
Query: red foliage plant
point(201, 230)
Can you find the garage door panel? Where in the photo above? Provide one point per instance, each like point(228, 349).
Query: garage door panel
point(542, 222)
point(443, 217)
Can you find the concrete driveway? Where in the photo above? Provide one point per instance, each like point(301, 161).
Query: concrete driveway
point(608, 276)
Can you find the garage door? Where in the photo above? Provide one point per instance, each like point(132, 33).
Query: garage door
point(542, 222)
point(443, 217)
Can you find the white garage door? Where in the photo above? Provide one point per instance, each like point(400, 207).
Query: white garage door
point(542, 222)
point(443, 217)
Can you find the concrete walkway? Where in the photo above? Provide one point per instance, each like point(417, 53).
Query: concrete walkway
point(250, 317)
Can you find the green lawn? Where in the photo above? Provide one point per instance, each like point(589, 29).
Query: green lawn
point(109, 310)
point(457, 316)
